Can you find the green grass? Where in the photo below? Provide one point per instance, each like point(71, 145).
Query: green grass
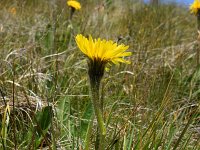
point(153, 103)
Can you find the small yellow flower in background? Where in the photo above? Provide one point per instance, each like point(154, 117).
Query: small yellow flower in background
point(195, 7)
point(102, 50)
point(13, 10)
point(74, 4)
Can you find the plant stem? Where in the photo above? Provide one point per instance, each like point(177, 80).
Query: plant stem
point(99, 115)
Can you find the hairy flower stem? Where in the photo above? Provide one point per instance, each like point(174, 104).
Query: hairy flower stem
point(95, 85)
point(71, 13)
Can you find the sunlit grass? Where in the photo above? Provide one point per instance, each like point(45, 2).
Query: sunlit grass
point(153, 103)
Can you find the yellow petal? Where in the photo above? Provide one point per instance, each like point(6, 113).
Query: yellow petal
point(75, 4)
point(102, 50)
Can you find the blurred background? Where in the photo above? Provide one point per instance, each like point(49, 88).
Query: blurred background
point(149, 104)
point(184, 2)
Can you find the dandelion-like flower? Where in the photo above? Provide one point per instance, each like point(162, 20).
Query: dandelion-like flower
point(195, 7)
point(100, 52)
point(74, 4)
point(13, 10)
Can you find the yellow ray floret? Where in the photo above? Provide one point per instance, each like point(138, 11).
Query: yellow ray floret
point(102, 50)
point(195, 7)
point(75, 4)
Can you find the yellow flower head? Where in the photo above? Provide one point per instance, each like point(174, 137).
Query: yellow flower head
point(74, 4)
point(13, 10)
point(195, 7)
point(102, 50)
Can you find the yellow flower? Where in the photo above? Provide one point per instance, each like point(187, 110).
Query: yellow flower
point(195, 7)
point(101, 50)
point(74, 4)
point(13, 10)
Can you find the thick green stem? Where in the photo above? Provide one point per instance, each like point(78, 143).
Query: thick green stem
point(99, 115)
point(95, 72)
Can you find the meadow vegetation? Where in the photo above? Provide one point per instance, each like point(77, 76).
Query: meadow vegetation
point(152, 103)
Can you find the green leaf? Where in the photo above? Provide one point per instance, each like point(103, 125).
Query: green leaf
point(87, 115)
point(63, 112)
point(43, 121)
point(44, 118)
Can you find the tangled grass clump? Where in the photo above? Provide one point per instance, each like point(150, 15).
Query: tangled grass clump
point(151, 103)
